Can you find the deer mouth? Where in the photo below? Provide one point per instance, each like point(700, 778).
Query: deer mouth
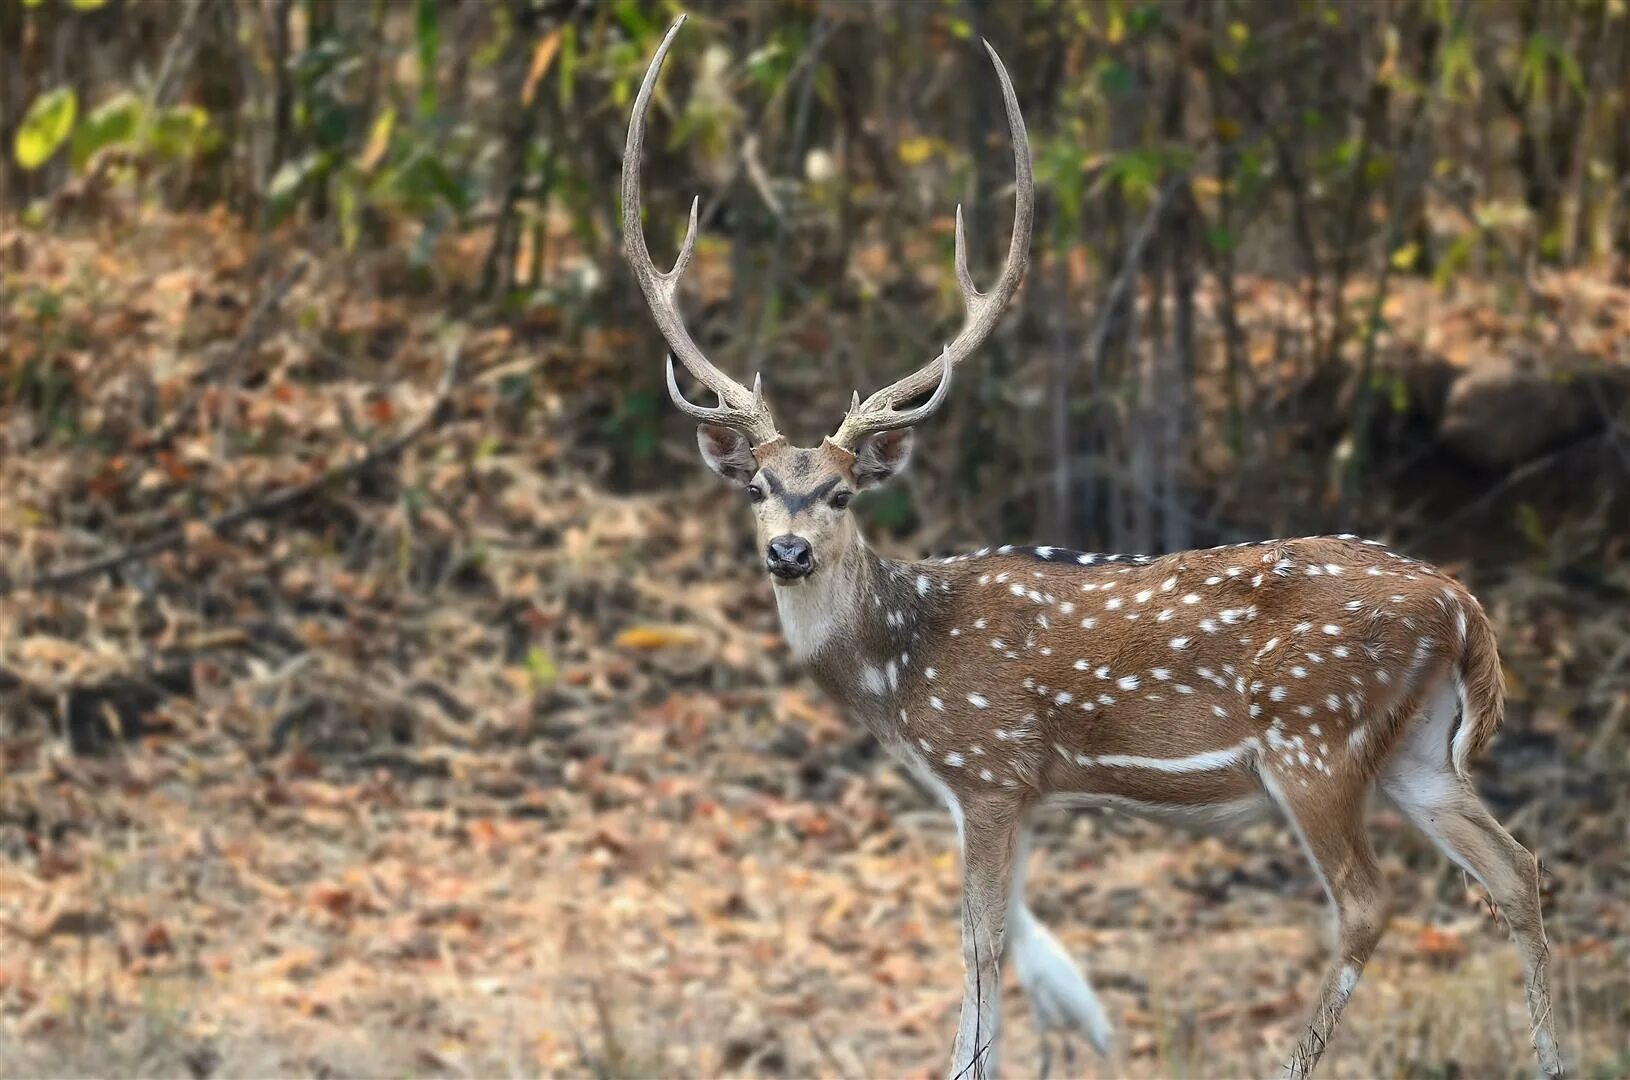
point(783, 575)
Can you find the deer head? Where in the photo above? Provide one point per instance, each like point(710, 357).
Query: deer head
point(799, 494)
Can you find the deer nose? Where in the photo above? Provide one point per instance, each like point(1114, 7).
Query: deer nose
point(789, 557)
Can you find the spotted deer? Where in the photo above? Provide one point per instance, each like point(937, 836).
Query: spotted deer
point(1210, 688)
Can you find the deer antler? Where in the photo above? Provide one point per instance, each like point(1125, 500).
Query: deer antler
point(738, 407)
point(878, 412)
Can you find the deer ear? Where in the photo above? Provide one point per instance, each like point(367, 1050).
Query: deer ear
point(880, 457)
point(727, 452)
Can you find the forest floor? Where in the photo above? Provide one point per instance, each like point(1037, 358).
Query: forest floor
point(466, 766)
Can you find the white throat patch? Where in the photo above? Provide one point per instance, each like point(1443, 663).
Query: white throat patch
point(813, 610)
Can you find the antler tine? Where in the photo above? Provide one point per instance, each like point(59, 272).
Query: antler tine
point(725, 413)
point(970, 291)
point(878, 412)
point(739, 407)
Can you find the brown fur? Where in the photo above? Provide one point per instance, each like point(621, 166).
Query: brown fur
point(1020, 652)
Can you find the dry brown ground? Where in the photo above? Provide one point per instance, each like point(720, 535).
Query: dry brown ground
point(469, 768)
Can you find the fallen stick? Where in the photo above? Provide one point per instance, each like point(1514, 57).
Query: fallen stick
point(265, 506)
point(254, 329)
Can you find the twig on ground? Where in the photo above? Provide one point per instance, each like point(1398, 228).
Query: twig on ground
point(265, 506)
point(254, 329)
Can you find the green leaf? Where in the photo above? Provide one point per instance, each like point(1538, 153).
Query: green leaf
point(1454, 259)
point(46, 126)
point(1532, 528)
point(291, 179)
point(541, 667)
point(634, 24)
point(112, 123)
point(1115, 78)
point(568, 63)
point(181, 132)
point(379, 139)
point(350, 212)
point(427, 34)
point(87, 5)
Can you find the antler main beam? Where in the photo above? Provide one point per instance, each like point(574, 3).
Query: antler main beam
point(739, 407)
point(879, 412)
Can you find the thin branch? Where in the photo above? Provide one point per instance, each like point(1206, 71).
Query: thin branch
point(1516, 476)
point(254, 330)
point(266, 506)
point(1129, 266)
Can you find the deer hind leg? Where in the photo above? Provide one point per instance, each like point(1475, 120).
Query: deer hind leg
point(1423, 784)
point(1331, 828)
point(1060, 997)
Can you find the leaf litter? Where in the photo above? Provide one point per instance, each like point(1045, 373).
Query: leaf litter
point(465, 765)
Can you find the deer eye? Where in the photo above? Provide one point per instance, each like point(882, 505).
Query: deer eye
point(755, 493)
point(841, 500)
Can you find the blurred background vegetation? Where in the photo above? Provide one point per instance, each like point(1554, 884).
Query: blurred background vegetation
point(366, 712)
point(1261, 226)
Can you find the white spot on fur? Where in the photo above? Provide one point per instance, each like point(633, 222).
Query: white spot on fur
point(978, 701)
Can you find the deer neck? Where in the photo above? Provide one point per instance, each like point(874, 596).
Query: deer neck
point(855, 632)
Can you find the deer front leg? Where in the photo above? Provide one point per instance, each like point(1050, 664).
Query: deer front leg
point(989, 853)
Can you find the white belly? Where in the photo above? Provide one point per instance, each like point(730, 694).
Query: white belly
point(1225, 817)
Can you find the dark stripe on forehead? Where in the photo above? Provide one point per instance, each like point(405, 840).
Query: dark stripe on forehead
point(797, 502)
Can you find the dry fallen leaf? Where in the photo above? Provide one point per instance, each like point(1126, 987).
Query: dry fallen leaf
point(657, 637)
